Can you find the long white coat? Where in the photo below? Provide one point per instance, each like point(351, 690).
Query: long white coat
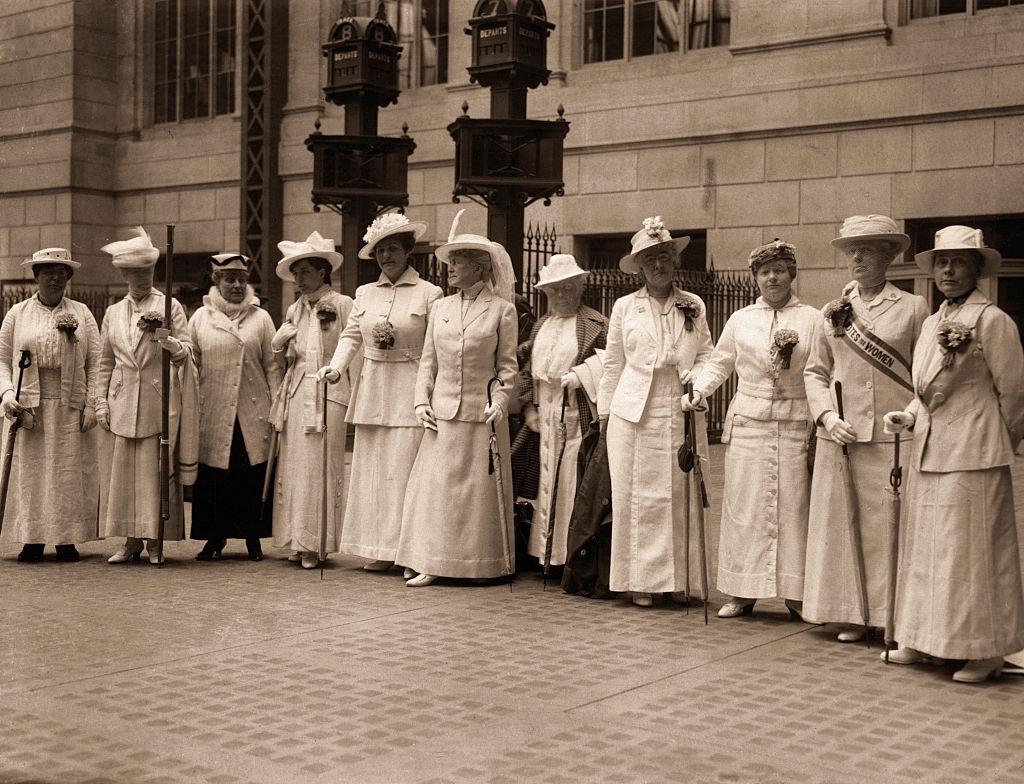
point(238, 377)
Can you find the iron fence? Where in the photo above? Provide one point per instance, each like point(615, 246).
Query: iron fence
point(97, 297)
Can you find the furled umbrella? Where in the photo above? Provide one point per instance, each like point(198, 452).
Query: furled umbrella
point(853, 521)
point(560, 448)
point(494, 468)
point(892, 550)
point(689, 462)
point(23, 419)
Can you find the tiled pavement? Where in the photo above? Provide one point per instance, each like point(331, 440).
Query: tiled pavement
point(242, 672)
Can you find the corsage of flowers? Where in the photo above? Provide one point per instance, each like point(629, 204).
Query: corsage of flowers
point(838, 315)
point(654, 226)
point(327, 313)
point(689, 307)
point(383, 334)
point(781, 351)
point(150, 321)
point(953, 337)
point(67, 323)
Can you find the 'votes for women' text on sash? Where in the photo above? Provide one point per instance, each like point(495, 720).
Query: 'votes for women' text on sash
point(877, 353)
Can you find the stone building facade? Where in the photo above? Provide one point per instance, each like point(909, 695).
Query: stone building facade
point(736, 121)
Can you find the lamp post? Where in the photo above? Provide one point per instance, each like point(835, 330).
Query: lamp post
point(357, 174)
point(508, 162)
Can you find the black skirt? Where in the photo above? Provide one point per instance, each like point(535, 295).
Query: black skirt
point(226, 503)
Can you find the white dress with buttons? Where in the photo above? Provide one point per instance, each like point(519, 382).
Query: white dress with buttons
point(830, 583)
point(763, 536)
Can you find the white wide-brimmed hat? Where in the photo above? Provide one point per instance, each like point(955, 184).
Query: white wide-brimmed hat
point(314, 246)
point(136, 253)
point(961, 238)
point(51, 256)
point(503, 277)
point(864, 228)
point(230, 261)
point(388, 225)
point(653, 233)
point(561, 266)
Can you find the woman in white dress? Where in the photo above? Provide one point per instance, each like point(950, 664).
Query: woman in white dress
point(658, 340)
point(133, 337)
point(763, 535)
point(560, 361)
point(386, 327)
point(53, 492)
point(307, 338)
point(959, 589)
point(866, 343)
point(452, 517)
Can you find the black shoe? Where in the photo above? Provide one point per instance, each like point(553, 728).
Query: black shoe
point(255, 549)
point(31, 553)
point(211, 550)
point(67, 552)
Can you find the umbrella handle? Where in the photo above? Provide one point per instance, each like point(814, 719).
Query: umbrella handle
point(489, 385)
point(896, 474)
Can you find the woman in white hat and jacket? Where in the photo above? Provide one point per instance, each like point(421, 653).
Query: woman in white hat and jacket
point(452, 517)
point(239, 374)
point(386, 328)
point(866, 343)
point(133, 338)
point(959, 589)
point(307, 339)
point(53, 490)
point(560, 361)
point(658, 340)
point(763, 536)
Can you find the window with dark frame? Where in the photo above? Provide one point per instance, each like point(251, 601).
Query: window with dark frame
point(651, 27)
point(193, 59)
point(925, 9)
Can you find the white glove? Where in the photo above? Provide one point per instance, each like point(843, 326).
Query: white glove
point(10, 406)
point(88, 420)
point(571, 381)
point(285, 334)
point(693, 402)
point(531, 418)
point(898, 421)
point(685, 377)
point(493, 413)
point(425, 414)
point(103, 417)
point(329, 374)
point(839, 430)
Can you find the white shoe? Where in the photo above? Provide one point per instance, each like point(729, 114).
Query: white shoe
point(408, 574)
point(309, 560)
point(979, 670)
point(154, 557)
point(378, 566)
point(854, 634)
point(124, 555)
point(641, 599)
point(736, 607)
point(903, 656)
point(421, 580)
point(294, 558)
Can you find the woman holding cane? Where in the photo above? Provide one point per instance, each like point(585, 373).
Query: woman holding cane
point(387, 328)
point(865, 342)
point(763, 535)
point(61, 386)
point(658, 339)
point(451, 521)
point(308, 338)
point(959, 588)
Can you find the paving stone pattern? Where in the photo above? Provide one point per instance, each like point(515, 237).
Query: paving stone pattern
point(261, 672)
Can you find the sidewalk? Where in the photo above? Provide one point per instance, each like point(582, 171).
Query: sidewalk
point(261, 672)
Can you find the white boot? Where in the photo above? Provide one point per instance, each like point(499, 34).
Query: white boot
point(979, 670)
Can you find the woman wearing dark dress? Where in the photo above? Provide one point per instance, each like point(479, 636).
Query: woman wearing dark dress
point(238, 376)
